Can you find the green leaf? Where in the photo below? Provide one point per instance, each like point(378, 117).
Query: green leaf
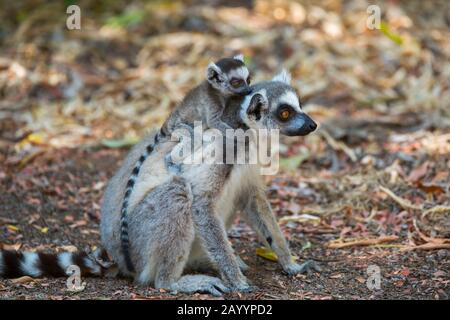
point(307, 245)
point(127, 19)
point(270, 254)
point(69, 2)
point(388, 33)
point(120, 143)
point(247, 60)
point(292, 163)
point(267, 254)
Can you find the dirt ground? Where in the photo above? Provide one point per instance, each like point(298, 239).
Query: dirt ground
point(369, 188)
point(56, 190)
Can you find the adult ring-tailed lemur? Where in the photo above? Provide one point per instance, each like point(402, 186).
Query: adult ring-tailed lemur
point(179, 221)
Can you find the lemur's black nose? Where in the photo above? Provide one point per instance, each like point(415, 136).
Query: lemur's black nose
point(313, 126)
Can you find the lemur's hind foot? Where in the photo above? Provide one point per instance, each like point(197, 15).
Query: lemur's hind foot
point(201, 284)
point(306, 267)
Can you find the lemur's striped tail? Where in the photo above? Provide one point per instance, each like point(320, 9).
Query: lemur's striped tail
point(14, 264)
point(124, 239)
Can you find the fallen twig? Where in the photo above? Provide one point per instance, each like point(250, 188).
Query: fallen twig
point(300, 218)
point(361, 242)
point(429, 239)
point(406, 204)
point(338, 145)
point(7, 221)
point(428, 246)
point(313, 213)
point(437, 209)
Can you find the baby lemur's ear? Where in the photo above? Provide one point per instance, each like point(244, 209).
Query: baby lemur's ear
point(258, 104)
point(283, 76)
point(239, 57)
point(214, 74)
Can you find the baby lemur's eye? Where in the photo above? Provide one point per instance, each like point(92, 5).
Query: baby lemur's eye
point(236, 83)
point(249, 79)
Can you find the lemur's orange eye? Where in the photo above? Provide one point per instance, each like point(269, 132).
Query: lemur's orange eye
point(284, 115)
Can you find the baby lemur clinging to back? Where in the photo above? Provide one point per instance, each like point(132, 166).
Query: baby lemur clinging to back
point(225, 78)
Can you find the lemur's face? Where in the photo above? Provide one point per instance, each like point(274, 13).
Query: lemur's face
point(230, 76)
point(275, 105)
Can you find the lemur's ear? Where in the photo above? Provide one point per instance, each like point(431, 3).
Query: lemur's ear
point(258, 104)
point(239, 57)
point(283, 76)
point(213, 73)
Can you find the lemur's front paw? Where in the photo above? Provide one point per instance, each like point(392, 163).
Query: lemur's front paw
point(294, 268)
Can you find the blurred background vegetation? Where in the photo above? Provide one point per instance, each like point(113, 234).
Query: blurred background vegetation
point(133, 60)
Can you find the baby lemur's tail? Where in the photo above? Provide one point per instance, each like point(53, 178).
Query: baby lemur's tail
point(124, 239)
point(15, 264)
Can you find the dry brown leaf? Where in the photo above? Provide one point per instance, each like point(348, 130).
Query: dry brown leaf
point(68, 248)
point(430, 188)
point(11, 247)
point(418, 173)
point(23, 280)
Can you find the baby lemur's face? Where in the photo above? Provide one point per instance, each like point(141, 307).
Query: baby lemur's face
point(275, 105)
point(229, 76)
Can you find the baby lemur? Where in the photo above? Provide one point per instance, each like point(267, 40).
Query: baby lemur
point(225, 78)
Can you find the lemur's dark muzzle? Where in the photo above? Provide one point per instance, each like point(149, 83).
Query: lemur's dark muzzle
point(301, 126)
point(311, 124)
point(308, 127)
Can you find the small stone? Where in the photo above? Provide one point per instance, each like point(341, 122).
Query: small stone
point(442, 254)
